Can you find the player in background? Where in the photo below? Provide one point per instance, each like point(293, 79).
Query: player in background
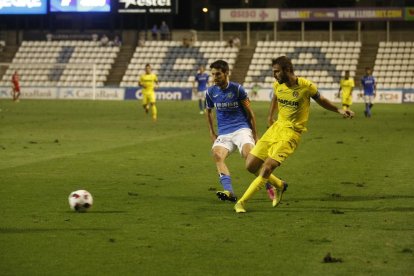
point(236, 125)
point(346, 86)
point(201, 78)
point(149, 81)
point(15, 86)
point(370, 90)
point(291, 99)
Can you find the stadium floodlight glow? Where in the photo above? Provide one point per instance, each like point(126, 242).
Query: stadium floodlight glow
point(205, 10)
point(23, 7)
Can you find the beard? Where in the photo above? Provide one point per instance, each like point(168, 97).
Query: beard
point(283, 79)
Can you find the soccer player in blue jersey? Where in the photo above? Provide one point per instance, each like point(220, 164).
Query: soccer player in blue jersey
point(235, 122)
point(202, 82)
point(370, 90)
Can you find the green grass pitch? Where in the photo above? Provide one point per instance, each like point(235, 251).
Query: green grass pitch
point(350, 194)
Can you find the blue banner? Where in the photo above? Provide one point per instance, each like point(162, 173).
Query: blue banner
point(23, 7)
point(408, 96)
point(165, 93)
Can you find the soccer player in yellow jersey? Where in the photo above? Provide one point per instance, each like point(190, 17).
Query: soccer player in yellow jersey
point(149, 81)
point(291, 98)
point(346, 87)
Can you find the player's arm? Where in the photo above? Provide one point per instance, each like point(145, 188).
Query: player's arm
point(272, 111)
point(325, 103)
point(250, 114)
point(210, 120)
point(156, 83)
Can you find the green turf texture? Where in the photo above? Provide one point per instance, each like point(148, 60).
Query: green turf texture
point(350, 194)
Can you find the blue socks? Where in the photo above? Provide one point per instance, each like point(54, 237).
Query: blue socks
point(225, 181)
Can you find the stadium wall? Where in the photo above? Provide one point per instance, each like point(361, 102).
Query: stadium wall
point(130, 37)
point(389, 96)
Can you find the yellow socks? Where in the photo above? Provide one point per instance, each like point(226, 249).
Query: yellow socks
point(154, 112)
point(257, 184)
point(275, 181)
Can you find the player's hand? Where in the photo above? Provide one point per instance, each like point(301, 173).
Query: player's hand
point(213, 137)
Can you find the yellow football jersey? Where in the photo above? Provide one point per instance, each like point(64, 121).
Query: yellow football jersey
point(347, 85)
point(148, 82)
point(294, 103)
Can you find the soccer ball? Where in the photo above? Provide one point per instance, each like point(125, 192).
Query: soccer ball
point(80, 201)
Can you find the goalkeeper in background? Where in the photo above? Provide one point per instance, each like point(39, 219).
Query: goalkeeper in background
point(149, 81)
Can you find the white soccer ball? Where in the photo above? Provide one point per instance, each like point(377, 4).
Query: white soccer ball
point(80, 201)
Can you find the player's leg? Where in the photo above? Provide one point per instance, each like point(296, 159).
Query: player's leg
point(220, 154)
point(258, 183)
point(367, 103)
point(145, 102)
point(200, 102)
point(18, 96)
point(371, 99)
point(154, 110)
point(277, 153)
point(270, 187)
point(13, 92)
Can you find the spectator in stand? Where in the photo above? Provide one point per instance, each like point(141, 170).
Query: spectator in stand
point(186, 42)
point(104, 40)
point(164, 31)
point(95, 37)
point(236, 42)
point(154, 32)
point(15, 86)
point(230, 43)
point(117, 41)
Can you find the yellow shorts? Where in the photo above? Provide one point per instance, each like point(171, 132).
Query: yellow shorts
point(277, 143)
point(148, 97)
point(346, 99)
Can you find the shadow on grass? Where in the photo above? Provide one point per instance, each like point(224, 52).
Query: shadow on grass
point(338, 197)
point(11, 230)
point(95, 212)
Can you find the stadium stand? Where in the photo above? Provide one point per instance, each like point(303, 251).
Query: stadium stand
point(175, 64)
point(2, 45)
point(61, 63)
point(394, 65)
point(322, 62)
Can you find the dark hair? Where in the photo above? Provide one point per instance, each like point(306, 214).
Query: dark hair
point(220, 64)
point(147, 65)
point(284, 62)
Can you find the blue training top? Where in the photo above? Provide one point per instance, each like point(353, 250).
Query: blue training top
point(231, 115)
point(202, 80)
point(368, 82)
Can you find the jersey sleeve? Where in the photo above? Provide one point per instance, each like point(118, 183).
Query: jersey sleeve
point(209, 101)
point(352, 83)
point(242, 93)
point(310, 87)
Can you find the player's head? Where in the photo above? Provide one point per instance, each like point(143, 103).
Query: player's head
point(282, 68)
point(220, 72)
point(202, 69)
point(147, 68)
point(347, 74)
point(368, 70)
